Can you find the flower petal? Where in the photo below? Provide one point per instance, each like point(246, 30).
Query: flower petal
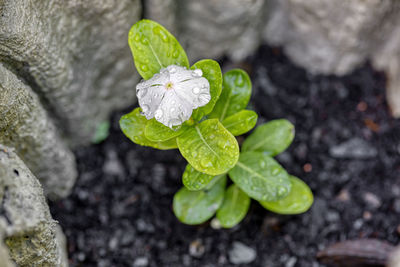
point(196, 91)
point(173, 110)
point(151, 92)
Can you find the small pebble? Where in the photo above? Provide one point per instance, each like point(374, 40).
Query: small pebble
point(241, 254)
point(343, 195)
point(372, 200)
point(141, 262)
point(367, 215)
point(196, 248)
point(355, 148)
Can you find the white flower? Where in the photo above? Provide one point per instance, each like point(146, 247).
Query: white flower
point(171, 95)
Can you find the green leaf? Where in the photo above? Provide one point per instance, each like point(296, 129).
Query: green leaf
point(154, 48)
point(195, 207)
point(209, 147)
point(158, 132)
point(234, 208)
point(102, 132)
point(212, 72)
point(195, 180)
point(241, 122)
point(133, 126)
point(272, 137)
point(298, 201)
point(235, 95)
point(260, 176)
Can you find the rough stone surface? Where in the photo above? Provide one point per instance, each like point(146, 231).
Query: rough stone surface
point(211, 29)
point(74, 54)
point(25, 217)
point(25, 126)
point(4, 253)
point(332, 37)
point(394, 260)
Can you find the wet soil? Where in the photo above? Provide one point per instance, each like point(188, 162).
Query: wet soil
point(120, 214)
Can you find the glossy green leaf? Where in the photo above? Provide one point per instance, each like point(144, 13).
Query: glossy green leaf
point(212, 72)
point(154, 48)
point(195, 180)
point(298, 201)
point(158, 132)
point(235, 95)
point(241, 122)
point(234, 208)
point(209, 147)
point(133, 126)
point(195, 207)
point(260, 176)
point(272, 137)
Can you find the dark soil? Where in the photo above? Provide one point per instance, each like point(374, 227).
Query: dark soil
point(120, 214)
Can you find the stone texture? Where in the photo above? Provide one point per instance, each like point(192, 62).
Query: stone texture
point(31, 233)
point(25, 126)
point(75, 56)
point(4, 253)
point(332, 37)
point(394, 259)
point(213, 28)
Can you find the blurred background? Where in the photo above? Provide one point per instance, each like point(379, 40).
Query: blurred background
point(67, 75)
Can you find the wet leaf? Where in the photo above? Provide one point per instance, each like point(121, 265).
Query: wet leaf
point(209, 147)
point(212, 72)
point(234, 208)
point(154, 48)
point(133, 126)
point(299, 199)
point(195, 180)
point(235, 95)
point(195, 207)
point(260, 176)
point(272, 137)
point(241, 122)
point(158, 132)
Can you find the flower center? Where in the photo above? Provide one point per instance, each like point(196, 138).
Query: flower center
point(169, 86)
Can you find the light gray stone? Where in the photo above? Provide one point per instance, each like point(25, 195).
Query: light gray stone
point(26, 126)
point(355, 148)
point(75, 56)
point(241, 254)
point(31, 233)
point(394, 258)
point(211, 28)
point(334, 37)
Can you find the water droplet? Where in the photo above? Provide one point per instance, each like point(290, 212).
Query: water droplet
point(275, 171)
point(158, 31)
point(144, 67)
point(239, 81)
point(144, 40)
point(158, 114)
point(172, 70)
point(206, 163)
point(137, 37)
point(281, 191)
point(196, 90)
point(265, 197)
point(197, 73)
point(221, 144)
point(212, 136)
point(175, 54)
point(262, 164)
point(145, 108)
point(194, 154)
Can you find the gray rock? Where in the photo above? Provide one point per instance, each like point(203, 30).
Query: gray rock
point(211, 29)
point(354, 148)
point(372, 200)
point(4, 253)
point(335, 37)
point(31, 234)
point(241, 254)
point(141, 262)
point(26, 126)
point(394, 258)
point(75, 56)
point(165, 12)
